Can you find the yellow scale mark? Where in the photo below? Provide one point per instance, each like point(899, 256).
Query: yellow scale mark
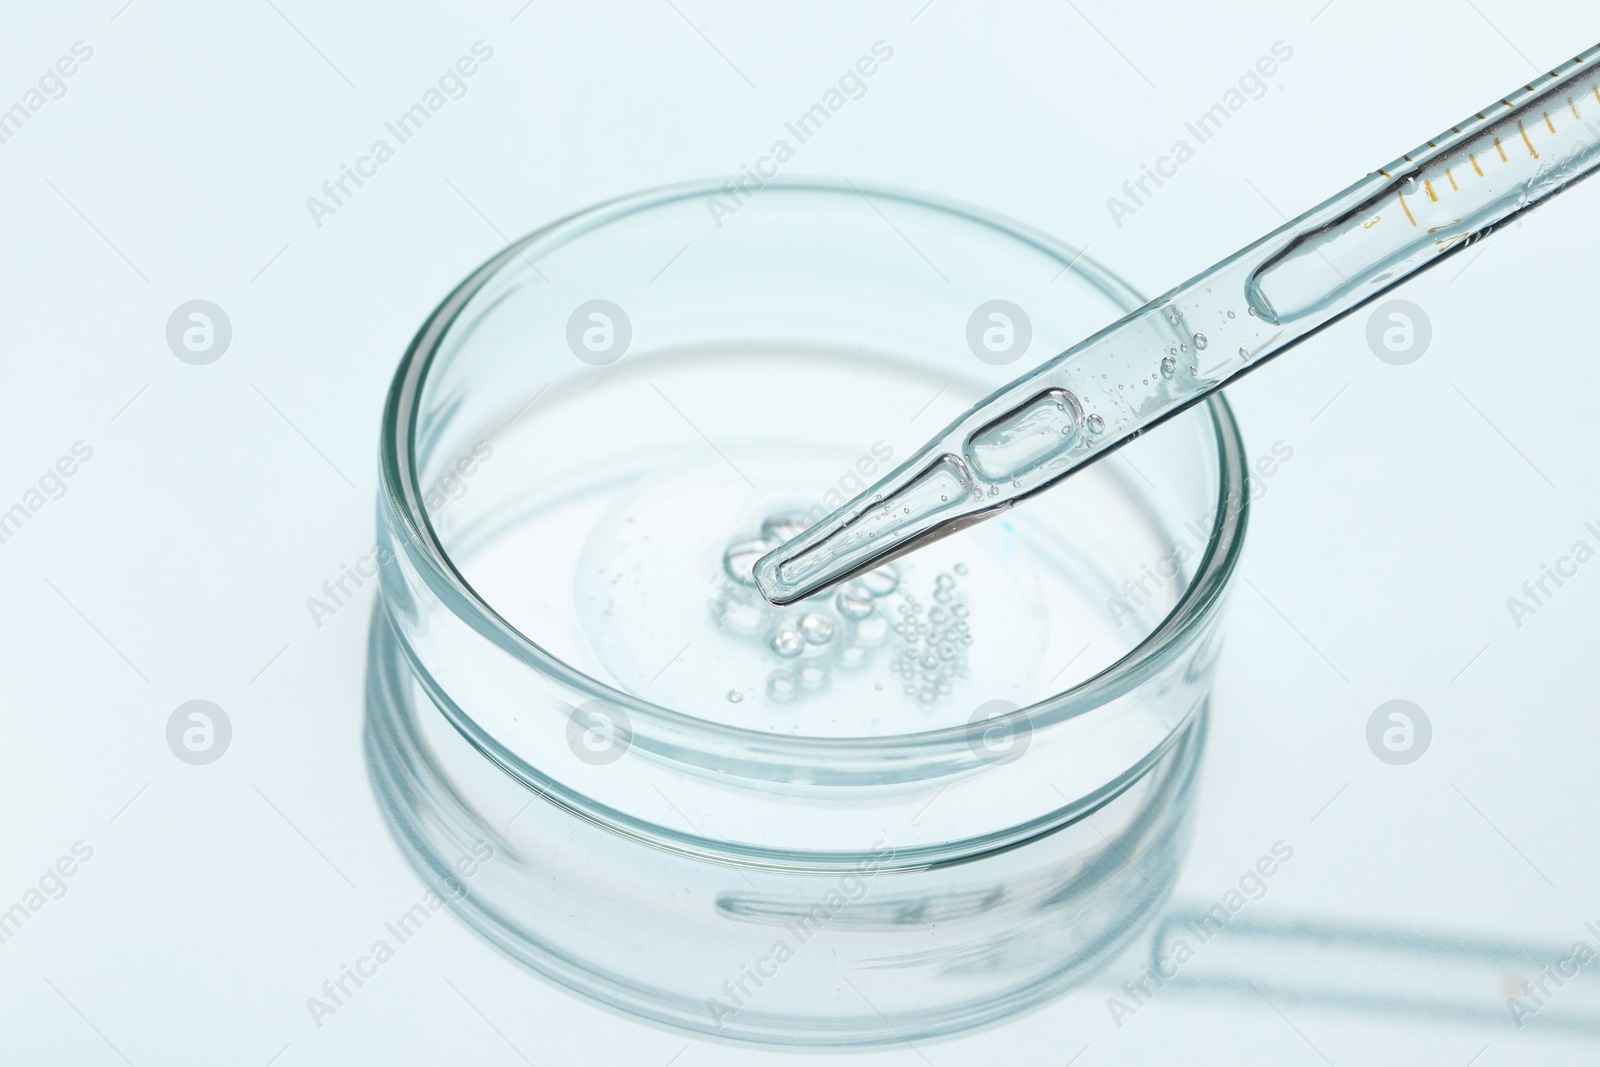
point(1525, 140)
point(1574, 108)
point(1428, 186)
point(1499, 148)
point(1548, 123)
point(1597, 92)
point(1475, 164)
point(1452, 178)
point(1405, 207)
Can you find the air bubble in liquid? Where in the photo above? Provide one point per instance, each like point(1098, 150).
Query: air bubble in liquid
point(1200, 340)
point(787, 643)
point(781, 686)
point(853, 602)
point(1094, 424)
point(734, 696)
point(785, 526)
point(816, 629)
point(740, 559)
point(880, 582)
point(1169, 367)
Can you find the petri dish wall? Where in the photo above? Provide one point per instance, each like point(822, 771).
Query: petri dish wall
point(856, 819)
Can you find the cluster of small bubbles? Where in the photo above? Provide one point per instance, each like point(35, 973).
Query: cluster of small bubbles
point(1095, 423)
point(1200, 340)
point(814, 641)
point(1169, 367)
point(932, 653)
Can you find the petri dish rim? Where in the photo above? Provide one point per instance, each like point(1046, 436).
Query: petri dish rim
point(400, 487)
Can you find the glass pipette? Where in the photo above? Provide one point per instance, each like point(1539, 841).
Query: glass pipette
point(1178, 349)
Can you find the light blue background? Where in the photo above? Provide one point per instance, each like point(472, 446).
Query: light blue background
point(219, 498)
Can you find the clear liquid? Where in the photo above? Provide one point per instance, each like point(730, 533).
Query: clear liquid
point(634, 567)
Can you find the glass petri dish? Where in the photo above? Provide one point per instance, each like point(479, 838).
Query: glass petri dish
point(585, 448)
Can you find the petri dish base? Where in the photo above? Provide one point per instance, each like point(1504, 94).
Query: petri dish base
point(587, 447)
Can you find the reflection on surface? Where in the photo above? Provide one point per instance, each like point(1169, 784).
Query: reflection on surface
point(1376, 969)
point(937, 952)
point(781, 956)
